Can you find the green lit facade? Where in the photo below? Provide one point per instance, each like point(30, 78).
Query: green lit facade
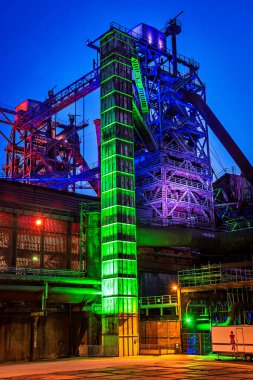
point(118, 222)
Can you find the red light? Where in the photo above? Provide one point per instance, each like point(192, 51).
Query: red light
point(38, 222)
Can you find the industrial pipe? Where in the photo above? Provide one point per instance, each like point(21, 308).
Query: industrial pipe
point(206, 240)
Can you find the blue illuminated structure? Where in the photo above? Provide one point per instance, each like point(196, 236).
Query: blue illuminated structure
point(170, 117)
point(173, 175)
point(173, 170)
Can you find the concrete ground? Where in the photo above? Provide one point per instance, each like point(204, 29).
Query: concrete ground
point(131, 368)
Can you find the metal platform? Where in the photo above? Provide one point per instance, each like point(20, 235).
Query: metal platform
point(218, 277)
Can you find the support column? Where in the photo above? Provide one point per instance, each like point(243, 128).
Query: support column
point(179, 302)
point(118, 222)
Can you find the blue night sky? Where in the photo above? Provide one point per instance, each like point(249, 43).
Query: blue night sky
point(43, 45)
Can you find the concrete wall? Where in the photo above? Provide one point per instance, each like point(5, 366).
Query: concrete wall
point(24, 338)
point(15, 336)
point(53, 336)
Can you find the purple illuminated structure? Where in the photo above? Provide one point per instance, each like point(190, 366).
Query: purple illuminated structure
point(173, 176)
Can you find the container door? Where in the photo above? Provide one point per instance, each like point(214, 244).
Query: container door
point(239, 338)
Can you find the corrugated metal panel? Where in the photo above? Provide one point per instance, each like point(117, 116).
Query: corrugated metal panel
point(19, 195)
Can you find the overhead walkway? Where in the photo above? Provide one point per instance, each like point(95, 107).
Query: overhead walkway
point(161, 303)
point(158, 301)
point(214, 277)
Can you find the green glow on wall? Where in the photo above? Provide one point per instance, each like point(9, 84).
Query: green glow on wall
point(118, 221)
point(118, 171)
point(115, 76)
point(116, 38)
point(111, 62)
point(118, 55)
point(118, 107)
point(118, 155)
point(113, 124)
point(116, 241)
point(117, 138)
point(115, 92)
point(122, 190)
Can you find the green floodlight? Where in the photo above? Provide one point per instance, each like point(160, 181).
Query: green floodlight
point(189, 320)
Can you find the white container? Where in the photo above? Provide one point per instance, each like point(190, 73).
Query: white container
point(234, 341)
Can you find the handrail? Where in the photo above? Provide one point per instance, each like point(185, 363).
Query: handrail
point(54, 175)
point(213, 275)
point(130, 32)
point(159, 300)
point(180, 181)
point(75, 91)
point(41, 272)
point(168, 161)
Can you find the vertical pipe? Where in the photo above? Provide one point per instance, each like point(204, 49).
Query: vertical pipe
point(98, 134)
point(174, 53)
point(42, 245)
point(13, 152)
point(179, 302)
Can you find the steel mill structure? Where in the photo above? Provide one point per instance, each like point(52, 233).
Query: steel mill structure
point(154, 199)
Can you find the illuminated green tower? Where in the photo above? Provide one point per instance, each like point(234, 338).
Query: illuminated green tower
point(119, 259)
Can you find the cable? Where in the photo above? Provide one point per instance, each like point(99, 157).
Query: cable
point(215, 155)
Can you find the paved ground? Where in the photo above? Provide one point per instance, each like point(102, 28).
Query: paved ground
point(131, 368)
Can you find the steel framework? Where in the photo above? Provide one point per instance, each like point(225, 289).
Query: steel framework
point(47, 152)
point(173, 170)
